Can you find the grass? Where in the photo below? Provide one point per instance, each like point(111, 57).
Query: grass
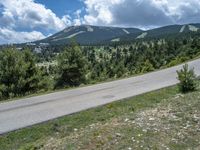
point(163, 119)
point(37, 135)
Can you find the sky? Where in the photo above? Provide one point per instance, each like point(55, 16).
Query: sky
point(30, 20)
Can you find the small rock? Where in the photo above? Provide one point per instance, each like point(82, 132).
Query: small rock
point(195, 117)
point(75, 129)
point(126, 119)
point(129, 148)
point(118, 134)
point(133, 139)
point(144, 130)
point(176, 97)
point(133, 122)
point(151, 119)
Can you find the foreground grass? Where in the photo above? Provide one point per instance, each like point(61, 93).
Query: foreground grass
point(162, 119)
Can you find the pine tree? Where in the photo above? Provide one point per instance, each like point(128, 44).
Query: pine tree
point(19, 74)
point(72, 67)
point(187, 79)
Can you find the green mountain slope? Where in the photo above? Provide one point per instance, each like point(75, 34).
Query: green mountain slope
point(162, 32)
point(86, 34)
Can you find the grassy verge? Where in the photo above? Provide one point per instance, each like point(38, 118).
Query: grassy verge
point(163, 119)
point(37, 135)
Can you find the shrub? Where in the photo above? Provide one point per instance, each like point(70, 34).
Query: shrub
point(187, 78)
point(19, 74)
point(72, 67)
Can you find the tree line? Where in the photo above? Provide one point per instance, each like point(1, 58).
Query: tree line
point(20, 74)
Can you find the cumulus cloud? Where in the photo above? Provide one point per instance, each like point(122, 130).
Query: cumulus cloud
point(141, 13)
point(11, 36)
point(27, 15)
point(67, 20)
point(78, 19)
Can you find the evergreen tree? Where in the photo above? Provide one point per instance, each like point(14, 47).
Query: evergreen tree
point(19, 74)
point(72, 67)
point(12, 73)
point(187, 79)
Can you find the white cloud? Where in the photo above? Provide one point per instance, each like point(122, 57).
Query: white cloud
point(11, 36)
point(141, 13)
point(17, 16)
point(67, 20)
point(28, 14)
point(100, 11)
point(78, 20)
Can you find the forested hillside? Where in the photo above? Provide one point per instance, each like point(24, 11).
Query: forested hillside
point(141, 56)
point(23, 72)
point(86, 34)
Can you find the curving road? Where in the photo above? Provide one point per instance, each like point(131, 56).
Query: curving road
point(29, 111)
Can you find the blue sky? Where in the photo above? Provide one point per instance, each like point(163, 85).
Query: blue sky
point(30, 20)
point(62, 7)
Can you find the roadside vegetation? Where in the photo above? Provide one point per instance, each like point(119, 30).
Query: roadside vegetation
point(163, 119)
point(188, 79)
point(22, 72)
point(19, 74)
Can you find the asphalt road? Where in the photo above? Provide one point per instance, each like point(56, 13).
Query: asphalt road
point(29, 111)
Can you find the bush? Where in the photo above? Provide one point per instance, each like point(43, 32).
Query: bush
point(72, 67)
point(187, 78)
point(19, 74)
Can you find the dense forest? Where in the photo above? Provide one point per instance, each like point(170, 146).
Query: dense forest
point(24, 72)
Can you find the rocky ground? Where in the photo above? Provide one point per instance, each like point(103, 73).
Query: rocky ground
point(172, 124)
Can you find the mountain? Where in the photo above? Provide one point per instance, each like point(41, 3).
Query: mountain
point(174, 30)
point(86, 34)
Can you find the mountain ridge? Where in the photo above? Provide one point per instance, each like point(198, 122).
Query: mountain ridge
point(89, 34)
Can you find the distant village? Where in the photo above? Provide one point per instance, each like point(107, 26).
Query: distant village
point(36, 48)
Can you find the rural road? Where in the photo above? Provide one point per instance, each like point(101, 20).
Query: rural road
point(29, 111)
